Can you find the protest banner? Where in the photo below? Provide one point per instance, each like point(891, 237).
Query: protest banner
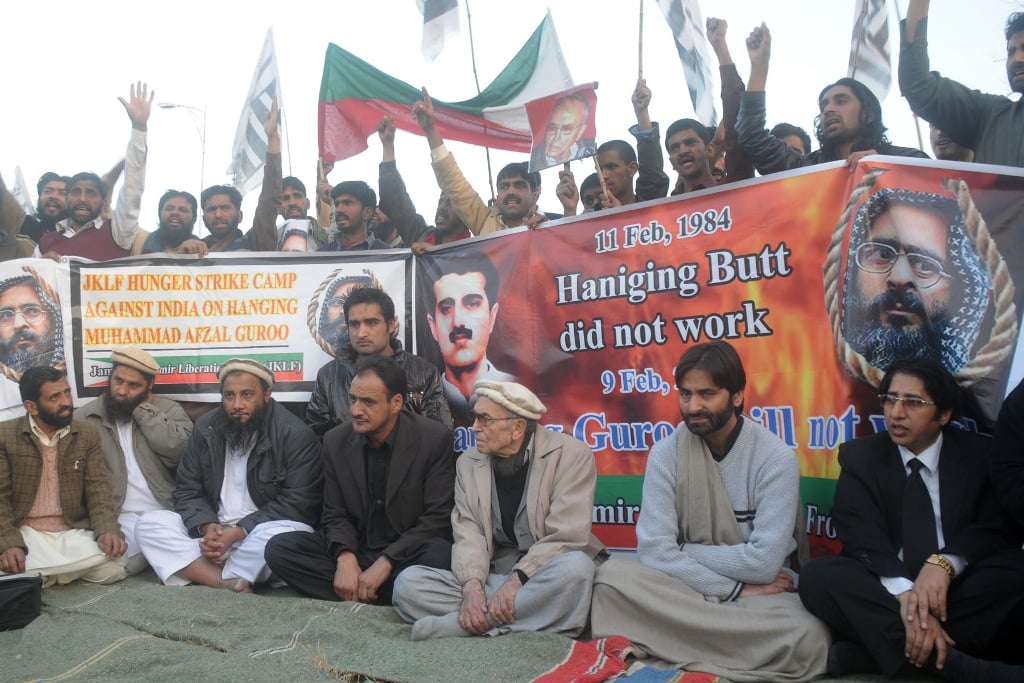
point(285, 311)
point(594, 314)
point(818, 277)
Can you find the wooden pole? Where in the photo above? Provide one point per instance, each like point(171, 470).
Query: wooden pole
point(476, 79)
point(640, 45)
point(600, 176)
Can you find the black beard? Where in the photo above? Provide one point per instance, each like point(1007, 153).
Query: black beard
point(173, 237)
point(121, 410)
point(53, 419)
point(716, 421)
point(882, 346)
point(239, 435)
point(41, 354)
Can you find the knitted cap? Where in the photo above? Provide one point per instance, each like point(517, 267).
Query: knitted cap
point(248, 365)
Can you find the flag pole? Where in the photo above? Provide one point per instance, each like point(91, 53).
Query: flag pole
point(476, 79)
point(860, 38)
point(640, 45)
point(287, 140)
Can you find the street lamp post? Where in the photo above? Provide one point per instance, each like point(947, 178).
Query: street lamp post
point(198, 116)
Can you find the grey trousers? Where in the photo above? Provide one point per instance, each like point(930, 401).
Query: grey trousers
point(767, 638)
point(555, 599)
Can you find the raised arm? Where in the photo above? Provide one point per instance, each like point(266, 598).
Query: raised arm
point(467, 203)
point(769, 154)
point(737, 165)
point(263, 235)
point(394, 198)
point(960, 112)
point(124, 223)
point(652, 181)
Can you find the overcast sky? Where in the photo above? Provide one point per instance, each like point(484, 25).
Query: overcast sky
point(65, 63)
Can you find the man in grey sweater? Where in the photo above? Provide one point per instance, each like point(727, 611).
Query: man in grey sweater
point(718, 542)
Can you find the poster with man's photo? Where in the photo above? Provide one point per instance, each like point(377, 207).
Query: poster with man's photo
point(819, 278)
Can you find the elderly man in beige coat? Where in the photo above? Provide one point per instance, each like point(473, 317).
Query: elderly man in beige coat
point(523, 558)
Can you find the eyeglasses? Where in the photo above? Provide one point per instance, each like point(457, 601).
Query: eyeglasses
point(336, 302)
point(878, 257)
point(486, 420)
point(30, 313)
point(910, 402)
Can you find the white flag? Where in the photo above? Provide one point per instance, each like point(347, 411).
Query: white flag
point(440, 20)
point(249, 153)
point(683, 17)
point(21, 192)
point(870, 61)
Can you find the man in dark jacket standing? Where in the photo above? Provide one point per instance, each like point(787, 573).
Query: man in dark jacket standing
point(373, 329)
point(251, 470)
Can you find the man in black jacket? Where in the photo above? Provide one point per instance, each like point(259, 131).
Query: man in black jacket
point(930, 572)
point(849, 123)
point(372, 329)
point(389, 487)
point(251, 470)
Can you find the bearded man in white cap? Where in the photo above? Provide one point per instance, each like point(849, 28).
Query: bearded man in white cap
point(251, 470)
point(523, 558)
point(142, 436)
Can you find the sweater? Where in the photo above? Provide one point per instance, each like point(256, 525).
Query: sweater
point(761, 476)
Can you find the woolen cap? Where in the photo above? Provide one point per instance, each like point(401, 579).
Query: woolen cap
point(513, 396)
point(248, 365)
point(136, 358)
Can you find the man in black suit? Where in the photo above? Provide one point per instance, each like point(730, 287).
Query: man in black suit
point(930, 575)
point(389, 480)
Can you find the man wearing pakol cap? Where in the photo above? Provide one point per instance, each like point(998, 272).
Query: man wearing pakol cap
point(142, 436)
point(524, 557)
point(251, 470)
point(388, 482)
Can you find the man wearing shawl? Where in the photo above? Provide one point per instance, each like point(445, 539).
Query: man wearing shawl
point(719, 541)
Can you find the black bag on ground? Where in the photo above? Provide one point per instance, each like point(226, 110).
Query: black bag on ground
point(21, 599)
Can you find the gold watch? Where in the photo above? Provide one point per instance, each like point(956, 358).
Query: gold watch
point(941, 561)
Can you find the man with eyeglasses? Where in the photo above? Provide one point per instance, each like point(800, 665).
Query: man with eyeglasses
point(915, 287)
point(31, 330)
point(929, 577)
point(523, 558)
point(563, 133)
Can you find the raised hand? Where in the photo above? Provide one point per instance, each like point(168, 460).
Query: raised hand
point(138, 104)
point(759, 46)
point(386, 130)
point(271, 119)
point(423, 112)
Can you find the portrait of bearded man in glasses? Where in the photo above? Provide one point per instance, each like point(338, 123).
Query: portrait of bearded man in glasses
point(31, 329)
point(915, 286)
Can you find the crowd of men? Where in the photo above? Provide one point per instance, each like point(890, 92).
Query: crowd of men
point(366, 499)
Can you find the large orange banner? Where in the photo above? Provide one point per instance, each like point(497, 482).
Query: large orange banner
point(819, 279)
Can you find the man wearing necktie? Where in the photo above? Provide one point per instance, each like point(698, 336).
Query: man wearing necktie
point(930, 574)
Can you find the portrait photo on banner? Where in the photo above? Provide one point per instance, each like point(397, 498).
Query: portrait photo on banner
point(925, 276)
point(31, 326)
point(461, 327)
point(563, 127)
